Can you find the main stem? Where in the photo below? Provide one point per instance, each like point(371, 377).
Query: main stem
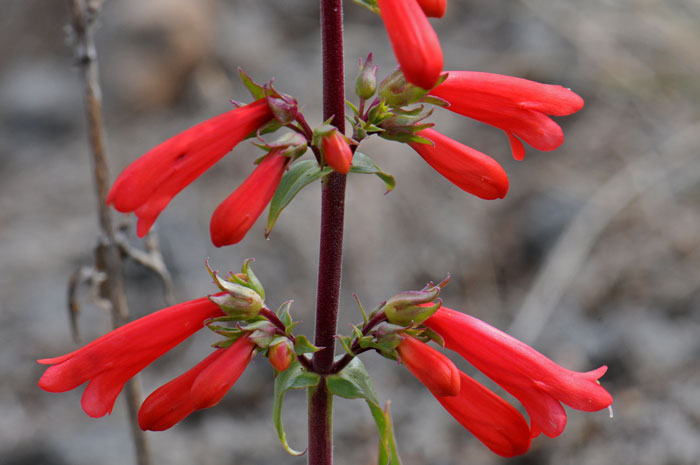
point(331, 245)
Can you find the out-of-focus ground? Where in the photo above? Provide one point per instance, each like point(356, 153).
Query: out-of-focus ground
point(593, 257)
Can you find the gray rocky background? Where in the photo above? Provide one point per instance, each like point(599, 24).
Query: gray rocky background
point(593, 257)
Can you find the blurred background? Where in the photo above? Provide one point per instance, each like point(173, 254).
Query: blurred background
point(593, 257)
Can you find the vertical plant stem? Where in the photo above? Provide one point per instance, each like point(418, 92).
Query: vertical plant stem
point(331, 242)
point(108, 257)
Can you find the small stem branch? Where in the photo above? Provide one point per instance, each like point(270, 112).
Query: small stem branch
point(83, 15)
point(331, 244)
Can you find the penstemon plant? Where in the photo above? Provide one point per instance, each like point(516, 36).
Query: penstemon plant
point(402, 327)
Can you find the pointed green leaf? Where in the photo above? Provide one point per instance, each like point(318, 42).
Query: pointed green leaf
point(354, 383)
point(369, 4)
point(363, 164)
point(299, 176)
point(293, 377)
point(394, 458)
point(303, 346)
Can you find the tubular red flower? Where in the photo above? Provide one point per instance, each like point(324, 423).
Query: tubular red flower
point(215, 380)
point(414, 41)
point(148, 184)
point(171, 403)
point(234, 217)
point(465, 167)
point(337, 152)
point(536, 381)
point(429, 366)
point(491, 419)
point(517, 106)
point(110, 361)
point(216, 374)
point(433, 8)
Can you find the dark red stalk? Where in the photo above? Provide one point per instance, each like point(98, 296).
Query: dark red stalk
point(331, 247)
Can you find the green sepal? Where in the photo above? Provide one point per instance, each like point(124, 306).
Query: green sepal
point(346, 342)
point(225, 344)
point(369, 4)
point(355, 383)
point(256, 90)
point(428, 334)
point(363, 164)
point(303, 346)
point(353, 108)
point(283, 313)
point(434, 100)
point(362, 309)
point(293, 377)
point(301, 174)
point(253, 281)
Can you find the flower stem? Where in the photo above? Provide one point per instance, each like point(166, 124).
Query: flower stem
point(331, 242)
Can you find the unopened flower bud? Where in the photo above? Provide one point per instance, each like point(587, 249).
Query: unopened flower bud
point(397, 92)
point(239, 301)
point(337, 152)
point(366, 83)
point(283, 107)
point(407, 307)
point(281, 354)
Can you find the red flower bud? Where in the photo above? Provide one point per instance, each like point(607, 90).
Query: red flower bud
point(281, 355)
point(433, 8)
point(517, 106)
point(468, 169)
point(147, 185)
point(536, 381)
point(216, 379)
point(110, 361)
point(429, 366)
point(234, 217)
point(414, 41)
point(337, 152)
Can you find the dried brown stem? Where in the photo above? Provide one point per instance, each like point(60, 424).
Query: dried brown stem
point(108, 254)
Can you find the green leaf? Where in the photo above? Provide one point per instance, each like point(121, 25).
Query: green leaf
point(363, 164)
point(369, 4)
point(303, 346)
point(394, 458)
point(293, 377)
point(299, 176)
point(354, 383)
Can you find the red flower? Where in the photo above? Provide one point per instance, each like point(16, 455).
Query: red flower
point(491, 419)
point(488, 417)
point(203, 386)
point(518, 106)
point(429, 366)
point(468, 169)
point(536, 381)
point(234, 217)
point(147, 185)
point(110, 361)
point(433, 8)
point(337, 152)
point(414, 41)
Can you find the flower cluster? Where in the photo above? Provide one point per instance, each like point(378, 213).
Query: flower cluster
point(147, 185)
point(517, 106)
point(107, 363)
point(536, 381)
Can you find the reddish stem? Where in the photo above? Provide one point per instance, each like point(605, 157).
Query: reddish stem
point(331, 246)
